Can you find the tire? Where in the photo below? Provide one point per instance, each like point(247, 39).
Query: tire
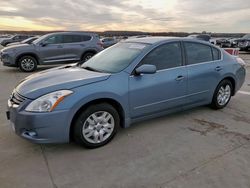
point(27, 64)
point(222, 94)
point(86, 57)
point(95, 132)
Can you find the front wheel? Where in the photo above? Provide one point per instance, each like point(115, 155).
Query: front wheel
point(86, 57)
point(27, 64)
point(222, 94)
point(96, 125)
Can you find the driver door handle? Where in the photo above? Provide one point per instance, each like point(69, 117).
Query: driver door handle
point(179, 78)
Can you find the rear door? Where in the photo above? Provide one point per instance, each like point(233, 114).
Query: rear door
point(203, 71)
point(74, 45)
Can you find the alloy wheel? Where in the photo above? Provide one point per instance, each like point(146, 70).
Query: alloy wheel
point(98, 127)
point(27, 64)
point(224, 95)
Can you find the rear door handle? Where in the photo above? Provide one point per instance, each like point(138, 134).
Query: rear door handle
point(60, 46)
point(218, 68)
point(179, 78)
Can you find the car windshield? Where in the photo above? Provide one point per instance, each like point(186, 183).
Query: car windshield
point(115, 58)
point(247, 36)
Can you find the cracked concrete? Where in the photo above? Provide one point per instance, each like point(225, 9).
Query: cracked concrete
point(196, 148)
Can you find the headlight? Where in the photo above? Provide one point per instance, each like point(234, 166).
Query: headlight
point(48, 102)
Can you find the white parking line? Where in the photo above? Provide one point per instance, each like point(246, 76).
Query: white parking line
point(244, 92)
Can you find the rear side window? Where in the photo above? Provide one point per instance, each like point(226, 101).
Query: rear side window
point(165, 56)
point(86, 37)
point(216, 54)
point(75, 38)
point(198, 53)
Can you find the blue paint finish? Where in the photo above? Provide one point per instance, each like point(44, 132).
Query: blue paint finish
point(141, 96)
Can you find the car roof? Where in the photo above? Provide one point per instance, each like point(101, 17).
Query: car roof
point(156, 40)
point(150, 40)
point(75, 32)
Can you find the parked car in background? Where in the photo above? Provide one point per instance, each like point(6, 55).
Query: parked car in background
point(131, 81)
point(26, 41)
point(225, 43)
point(234, 42)
point(53, 48)
point(108, 41)
point(15, 38)
point(203, 37)
point(244, 44)
point(3, 37)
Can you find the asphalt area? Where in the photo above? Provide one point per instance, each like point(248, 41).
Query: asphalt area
point(199, 148)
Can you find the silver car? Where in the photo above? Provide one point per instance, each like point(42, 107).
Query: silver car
point(54, 48)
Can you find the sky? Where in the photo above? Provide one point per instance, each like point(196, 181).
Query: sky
point(131, 15)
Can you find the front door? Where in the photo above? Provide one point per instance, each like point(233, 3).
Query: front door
point(53, 50)
point(164, 90)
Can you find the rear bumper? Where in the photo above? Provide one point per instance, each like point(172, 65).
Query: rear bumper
point(240, 76)
point(51, 127)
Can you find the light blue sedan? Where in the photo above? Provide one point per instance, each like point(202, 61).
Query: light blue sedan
point(133, 80)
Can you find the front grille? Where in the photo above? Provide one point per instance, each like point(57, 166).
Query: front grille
point(16, 98)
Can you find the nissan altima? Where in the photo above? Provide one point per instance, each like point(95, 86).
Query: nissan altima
point(134, 80)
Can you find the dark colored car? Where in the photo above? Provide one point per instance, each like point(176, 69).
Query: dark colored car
point(235, 42)
point(244, 44)
point(26, 41)
point(225, 43)
point(53, 48)
point(16, 38)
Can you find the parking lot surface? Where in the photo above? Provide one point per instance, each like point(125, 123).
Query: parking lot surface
point(199, 148)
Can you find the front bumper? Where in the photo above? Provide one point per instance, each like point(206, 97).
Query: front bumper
point(49, 127)
point(7, 60)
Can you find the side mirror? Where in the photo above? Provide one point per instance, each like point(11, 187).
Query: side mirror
point(145, 69)
point(44, 44)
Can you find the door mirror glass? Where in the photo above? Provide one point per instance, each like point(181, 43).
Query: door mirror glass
point(145, 69)
point(44, 43)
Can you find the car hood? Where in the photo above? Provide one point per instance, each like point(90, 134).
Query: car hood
point(65, 77)
point(18, 46)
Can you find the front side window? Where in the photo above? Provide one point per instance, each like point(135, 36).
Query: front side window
point(56, 39)
point(198, 53)
point(165, 56)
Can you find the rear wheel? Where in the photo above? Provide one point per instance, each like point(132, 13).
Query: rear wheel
point(96, 125)
point(27, 64)
point(222, 94)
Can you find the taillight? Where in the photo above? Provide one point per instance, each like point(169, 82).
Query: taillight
point(100, 44)
point(241, 61)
